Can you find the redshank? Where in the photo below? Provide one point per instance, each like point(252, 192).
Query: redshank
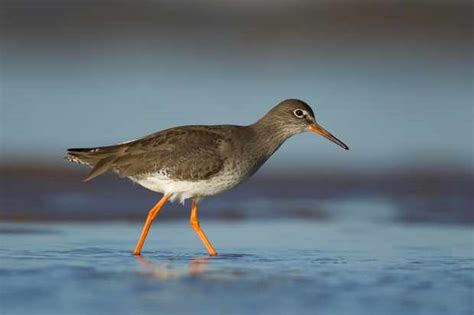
point(194, 162)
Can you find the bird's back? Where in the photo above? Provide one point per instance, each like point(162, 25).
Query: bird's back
point(182, 153)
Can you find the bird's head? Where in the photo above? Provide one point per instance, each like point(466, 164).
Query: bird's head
point(295, 116)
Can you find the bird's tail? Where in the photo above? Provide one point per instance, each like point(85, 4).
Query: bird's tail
point(100, 159)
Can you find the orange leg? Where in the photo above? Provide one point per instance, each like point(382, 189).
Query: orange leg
point(149, 220)
point(194, 220)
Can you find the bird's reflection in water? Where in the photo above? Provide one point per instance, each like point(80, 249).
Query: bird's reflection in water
point(196, 267)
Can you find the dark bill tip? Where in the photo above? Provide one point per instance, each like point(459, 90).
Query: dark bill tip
point(326, 134)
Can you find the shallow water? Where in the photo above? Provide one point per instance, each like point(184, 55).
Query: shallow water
point(277, 267)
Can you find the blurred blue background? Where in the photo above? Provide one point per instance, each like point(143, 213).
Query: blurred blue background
point(385, 228)
point(393, 79)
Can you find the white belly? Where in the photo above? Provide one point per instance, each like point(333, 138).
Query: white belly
point(182, 190)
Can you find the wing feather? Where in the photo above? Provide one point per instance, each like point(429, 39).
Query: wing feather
point(191, 154)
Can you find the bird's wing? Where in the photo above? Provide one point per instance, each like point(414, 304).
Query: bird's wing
point(184, 153)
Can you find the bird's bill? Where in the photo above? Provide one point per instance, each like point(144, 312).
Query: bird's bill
point(326, 134)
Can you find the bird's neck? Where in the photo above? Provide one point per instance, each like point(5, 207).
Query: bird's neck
point(269, 135)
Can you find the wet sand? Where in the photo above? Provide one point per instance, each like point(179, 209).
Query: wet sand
point(408, 195)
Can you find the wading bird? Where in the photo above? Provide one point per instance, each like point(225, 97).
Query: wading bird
point(194, 162)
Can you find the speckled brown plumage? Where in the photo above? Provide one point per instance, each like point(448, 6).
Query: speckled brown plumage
point(182, 153)
point(195, 153)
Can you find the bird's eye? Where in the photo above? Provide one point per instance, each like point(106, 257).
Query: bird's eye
point(298, 113)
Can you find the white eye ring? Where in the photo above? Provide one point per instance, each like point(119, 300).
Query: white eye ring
point(299, 113)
